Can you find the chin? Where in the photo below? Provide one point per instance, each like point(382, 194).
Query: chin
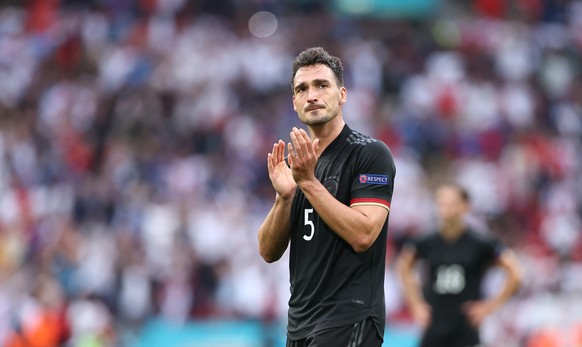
point(316, 122)
point(323, 119)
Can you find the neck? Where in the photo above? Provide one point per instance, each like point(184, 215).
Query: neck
point(452, 230)
point(326, 133)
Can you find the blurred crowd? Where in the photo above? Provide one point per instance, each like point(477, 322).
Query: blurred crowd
point(133, 141)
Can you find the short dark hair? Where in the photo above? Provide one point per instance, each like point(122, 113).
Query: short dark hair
point(318, 55)
point(461, 190)
point(464, 193)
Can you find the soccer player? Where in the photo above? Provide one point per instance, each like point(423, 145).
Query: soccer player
point(332, 204)
point(456, 258)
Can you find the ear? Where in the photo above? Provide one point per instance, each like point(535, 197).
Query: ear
point(466, 207)
point(343, 95)
point(294, 106)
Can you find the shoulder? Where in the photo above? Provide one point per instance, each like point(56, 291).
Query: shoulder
point(485, 240)
point(479, 236)
point(425, 240)
point(422, 246)
point(356, 138)
point(368, 147)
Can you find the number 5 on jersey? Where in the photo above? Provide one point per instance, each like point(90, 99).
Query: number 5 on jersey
point(309, 223)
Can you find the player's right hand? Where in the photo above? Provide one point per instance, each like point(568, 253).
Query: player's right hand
point(279, 173)
point(421, 313)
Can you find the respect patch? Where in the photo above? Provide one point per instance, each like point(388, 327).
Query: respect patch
point(373, 179)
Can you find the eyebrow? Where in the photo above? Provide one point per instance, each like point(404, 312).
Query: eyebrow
point(315, 81)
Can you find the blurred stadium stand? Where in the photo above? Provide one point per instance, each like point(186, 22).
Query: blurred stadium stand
point(133, 138)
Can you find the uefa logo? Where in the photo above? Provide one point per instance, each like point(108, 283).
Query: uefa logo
point(373, 179)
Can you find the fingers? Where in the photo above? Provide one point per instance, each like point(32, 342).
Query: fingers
point(281, 151)
point(425, 320)
point(300, 146)
point(294, 146)
point(475, 312)
point(270, 162)
point(292, 154)
point(471, 307)
point(475, 320)
point(316, 146)
point(272, 158)
point(423, 315)
point(301, 143)
point(276, 156)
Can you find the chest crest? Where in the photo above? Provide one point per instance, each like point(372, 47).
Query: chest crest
point(331, 184)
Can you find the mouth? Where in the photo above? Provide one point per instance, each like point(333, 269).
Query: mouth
point(313, 108)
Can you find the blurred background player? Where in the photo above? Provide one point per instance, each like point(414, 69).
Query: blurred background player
point(450, 307)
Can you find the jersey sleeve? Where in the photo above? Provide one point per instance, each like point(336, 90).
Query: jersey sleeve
point(373, 183)
point(492, 247)
point(419, 245)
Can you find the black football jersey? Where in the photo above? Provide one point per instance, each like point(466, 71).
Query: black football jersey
point(331, 284)
point(454, 269)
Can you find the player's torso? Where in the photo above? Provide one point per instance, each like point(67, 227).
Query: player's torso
point(331, 284)
point(321, 262)
point(336, 169)
point(311, 238)
point(455, 269)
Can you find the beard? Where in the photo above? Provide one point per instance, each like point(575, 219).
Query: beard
point(317, 117)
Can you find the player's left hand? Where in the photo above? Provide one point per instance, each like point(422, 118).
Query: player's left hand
point(302, 155)
point(477, 311)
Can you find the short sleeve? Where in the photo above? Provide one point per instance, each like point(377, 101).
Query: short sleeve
point(373, 182)
point(419, 245)
point(492, 248)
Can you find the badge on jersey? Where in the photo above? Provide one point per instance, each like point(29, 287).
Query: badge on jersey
point(373, 179)
point(331, 184)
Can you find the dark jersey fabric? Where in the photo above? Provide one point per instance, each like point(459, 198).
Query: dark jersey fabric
point(454, 270)
point(331, 284)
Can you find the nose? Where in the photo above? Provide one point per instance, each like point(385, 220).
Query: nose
point(312, 95)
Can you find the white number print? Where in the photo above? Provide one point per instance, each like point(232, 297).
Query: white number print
point(308, 222)
point(450, 279)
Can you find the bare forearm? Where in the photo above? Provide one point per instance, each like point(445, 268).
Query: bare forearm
point(410, 284)
point(274, 233)
point(508, 289)
point(509, 262)
point(352, 225)
point(411, 290)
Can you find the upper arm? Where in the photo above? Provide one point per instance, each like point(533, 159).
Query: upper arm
point(376, 214)
point(508, 261)
point(406, 258)
point(374, 173)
